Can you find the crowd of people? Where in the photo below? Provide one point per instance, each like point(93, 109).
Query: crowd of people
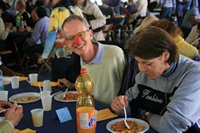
point(68, 33)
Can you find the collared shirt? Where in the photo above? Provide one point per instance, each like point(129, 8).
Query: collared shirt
point(98, 57)
point(40, 30)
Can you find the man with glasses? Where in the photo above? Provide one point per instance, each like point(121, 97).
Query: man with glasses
point(105, 63)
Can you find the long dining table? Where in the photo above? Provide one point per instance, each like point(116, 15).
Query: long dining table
point(51, 122)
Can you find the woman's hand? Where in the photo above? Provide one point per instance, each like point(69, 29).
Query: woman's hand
point(119, 103)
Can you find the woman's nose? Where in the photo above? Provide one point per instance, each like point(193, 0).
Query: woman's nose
point(142, 68)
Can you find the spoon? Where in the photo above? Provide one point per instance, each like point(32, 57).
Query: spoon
point(125, 114)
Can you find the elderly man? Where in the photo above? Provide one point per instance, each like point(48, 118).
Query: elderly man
point(105, 63)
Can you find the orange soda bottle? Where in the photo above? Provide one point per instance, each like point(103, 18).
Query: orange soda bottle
point(85, 110)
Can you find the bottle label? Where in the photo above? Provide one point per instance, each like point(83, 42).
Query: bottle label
point(87, 120)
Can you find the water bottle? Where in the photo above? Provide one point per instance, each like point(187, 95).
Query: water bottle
point(1, 77)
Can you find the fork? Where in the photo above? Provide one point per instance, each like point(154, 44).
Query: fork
point(64, 94)
point(125, 114)
point(3, 110)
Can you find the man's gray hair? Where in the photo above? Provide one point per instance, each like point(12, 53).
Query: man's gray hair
point(75, 17)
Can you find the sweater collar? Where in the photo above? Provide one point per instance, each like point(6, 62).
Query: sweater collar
point(98, 57)
point(170, 70)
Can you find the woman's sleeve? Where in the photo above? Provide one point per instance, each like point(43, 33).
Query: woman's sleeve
point(183, 110)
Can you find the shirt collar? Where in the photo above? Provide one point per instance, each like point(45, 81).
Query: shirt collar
point(171, 70)
point(98, 57)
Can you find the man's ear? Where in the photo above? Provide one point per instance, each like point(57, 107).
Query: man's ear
point(91, 34)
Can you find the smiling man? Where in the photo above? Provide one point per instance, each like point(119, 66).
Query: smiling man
point(105, 63)
point(166, 87)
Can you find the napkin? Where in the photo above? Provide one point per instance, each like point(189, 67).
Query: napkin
point(105, 114)
point(53, 84)
point(27, 130)
point(23, 78)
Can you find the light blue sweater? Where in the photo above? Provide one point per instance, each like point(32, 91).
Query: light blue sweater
point(183, 109)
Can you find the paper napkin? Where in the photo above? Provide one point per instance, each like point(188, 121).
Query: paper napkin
point(105, 114)
point(23, 78)
point(53, 84)
point(27, 130)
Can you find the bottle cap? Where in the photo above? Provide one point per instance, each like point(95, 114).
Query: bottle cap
point(83, 70)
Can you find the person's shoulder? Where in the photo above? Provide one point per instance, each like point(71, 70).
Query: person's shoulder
point(1, 19)
point(91, 5)
point(26, 14)
point(59, 9)
point(46, 18)
point(114, 52)
point(112, 48)
point(187, 63)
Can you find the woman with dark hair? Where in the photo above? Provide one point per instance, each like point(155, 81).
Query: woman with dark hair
point(35, 44)
point(167, 86)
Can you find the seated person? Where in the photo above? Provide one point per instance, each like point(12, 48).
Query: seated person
point(167, 86)
point(34, 46)
point(139, 9)
point(12, 116)
point(193, 37)
point(105, 63)
point(22, 14)
point(45, 4)
point(183, 47)
point(94, 17)
point(4, 27)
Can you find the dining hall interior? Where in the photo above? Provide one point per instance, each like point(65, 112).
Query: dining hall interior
point(99, 66)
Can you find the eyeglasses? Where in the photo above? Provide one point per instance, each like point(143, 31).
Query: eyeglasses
point(80, 34)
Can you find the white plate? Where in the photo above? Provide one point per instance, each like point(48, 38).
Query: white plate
point(131, 119)
point(58, 97)
point(26, 94)
point(6, 80)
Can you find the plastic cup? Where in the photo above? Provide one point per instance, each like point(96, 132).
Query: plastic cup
point(46, 102)
point(37, 117)
point(43, 93)
point(47, 85)
point(33, 77)
point(4, 95)
point(15, 82)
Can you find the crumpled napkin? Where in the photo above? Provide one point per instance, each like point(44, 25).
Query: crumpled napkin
point(27, 130)
point(105, 114)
